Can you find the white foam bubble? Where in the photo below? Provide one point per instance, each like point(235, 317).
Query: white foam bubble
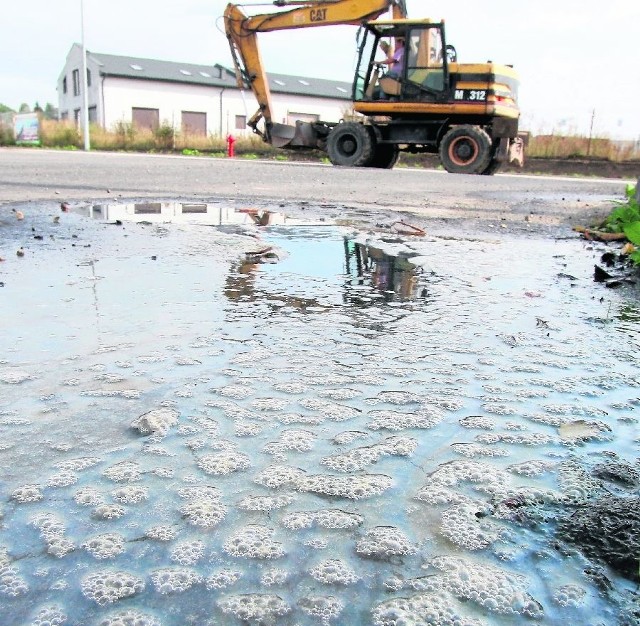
point(108, 586)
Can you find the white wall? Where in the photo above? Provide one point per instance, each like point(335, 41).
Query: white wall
point(115, 97)
point(120, 95)
point(327, 109)
point(68, 103)
point(220, 105)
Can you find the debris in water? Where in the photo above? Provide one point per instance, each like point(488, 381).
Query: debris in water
point(401, 227)
point(579, 430)
point(265, 255)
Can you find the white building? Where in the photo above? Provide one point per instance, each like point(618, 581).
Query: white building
point(197, 98)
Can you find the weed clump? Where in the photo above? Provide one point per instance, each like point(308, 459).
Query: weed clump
point(625, 218)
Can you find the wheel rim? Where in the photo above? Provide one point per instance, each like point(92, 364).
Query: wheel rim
point(347, 145)
point(463, 151)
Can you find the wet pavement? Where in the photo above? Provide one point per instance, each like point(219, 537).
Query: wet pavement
point(462, 205)
point(219, 414)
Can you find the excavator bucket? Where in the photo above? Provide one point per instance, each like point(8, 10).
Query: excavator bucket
point(301, 135)
point(280, 135)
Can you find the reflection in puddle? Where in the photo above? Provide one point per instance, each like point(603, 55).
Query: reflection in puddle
point(394, 275)
point(211, 214)
point(369, 275)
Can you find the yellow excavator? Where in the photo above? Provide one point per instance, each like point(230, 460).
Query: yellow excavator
point(465, 112)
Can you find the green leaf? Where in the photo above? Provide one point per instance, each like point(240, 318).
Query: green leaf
point(632, 231)
point(630, 191)
point(621, 216)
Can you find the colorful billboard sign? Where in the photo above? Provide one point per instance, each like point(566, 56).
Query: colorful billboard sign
point(27, 128)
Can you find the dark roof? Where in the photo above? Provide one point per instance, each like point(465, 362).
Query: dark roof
point(213, 76)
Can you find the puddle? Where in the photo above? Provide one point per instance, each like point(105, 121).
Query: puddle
point(359, 433)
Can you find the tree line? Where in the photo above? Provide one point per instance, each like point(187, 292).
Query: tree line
point(49, 112)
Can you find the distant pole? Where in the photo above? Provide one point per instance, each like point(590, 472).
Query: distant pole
point(85, 86)
point(593, 117)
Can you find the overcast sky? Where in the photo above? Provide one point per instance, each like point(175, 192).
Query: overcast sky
point(578, 60)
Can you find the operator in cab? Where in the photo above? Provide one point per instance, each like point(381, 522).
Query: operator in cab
point(395, 61)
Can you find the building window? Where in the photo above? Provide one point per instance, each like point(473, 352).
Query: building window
point(194, 123)
point(64, 85)
point(147, 208)
point(194, 208)
point(241, 122)
point(64, 116)
point(145, 118)
point(76, 82)
point(93, 115)
point(76, 116)
point(88, 77)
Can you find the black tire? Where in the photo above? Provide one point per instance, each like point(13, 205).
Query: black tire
point(466, 150)
point(494, 164)
point(385, 156)
point(350, 144)
point(492, 168)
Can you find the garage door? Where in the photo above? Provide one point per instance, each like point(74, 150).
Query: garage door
point(145, 118)
point(194, 123)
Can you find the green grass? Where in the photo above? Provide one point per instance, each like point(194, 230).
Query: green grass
point(125, 136)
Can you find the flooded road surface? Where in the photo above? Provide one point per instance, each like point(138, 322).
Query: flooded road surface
point(265, 422)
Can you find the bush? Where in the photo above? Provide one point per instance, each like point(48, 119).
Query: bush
point(124, 135)
point(626, 213)
point(104, 140)
point(59, 134)
point(625, 218)
point(7, 137)
point(142, 140)
point(203, 144)
point(577, 147)
point(164, 136)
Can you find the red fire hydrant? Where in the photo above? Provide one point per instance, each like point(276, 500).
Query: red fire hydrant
point(231, 151)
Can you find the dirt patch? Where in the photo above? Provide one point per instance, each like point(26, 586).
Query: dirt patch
point(608, 530)
point(600, 168)
point(597, 168)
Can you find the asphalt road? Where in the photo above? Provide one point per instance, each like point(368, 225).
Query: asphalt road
point(515, 203)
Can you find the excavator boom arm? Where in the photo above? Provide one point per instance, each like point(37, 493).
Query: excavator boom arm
point(242, 34)
point(311, 13)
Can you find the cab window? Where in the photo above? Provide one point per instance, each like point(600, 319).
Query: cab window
point(425, 58)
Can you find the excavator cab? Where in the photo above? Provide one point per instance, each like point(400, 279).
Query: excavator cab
point(425, 73)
